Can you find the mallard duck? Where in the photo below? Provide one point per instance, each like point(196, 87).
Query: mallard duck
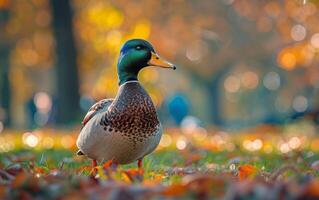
point(124, 129)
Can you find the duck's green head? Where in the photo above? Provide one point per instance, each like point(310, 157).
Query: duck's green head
point(135, 55)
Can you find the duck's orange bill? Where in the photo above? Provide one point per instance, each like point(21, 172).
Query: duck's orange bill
point(159, 62)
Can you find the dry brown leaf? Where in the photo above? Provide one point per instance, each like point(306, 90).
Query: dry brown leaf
point(19, 180)
point(201, 183)
point(3, 191)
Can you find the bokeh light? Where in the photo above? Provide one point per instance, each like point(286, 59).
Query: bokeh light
point(294, 143)
point(300, 103)
point(193, 53)
point(298, 32)
point(30, 139)
point(181, 143)
point(315, 40)
point(287, 59)
point(67, 141)
point(254, 145)
point(284, 148)
point(272, 81)
point(232, 84)
point(47, 142)
point(43, 102)
point(166, 140)
point(189, 124)
point(249, 80)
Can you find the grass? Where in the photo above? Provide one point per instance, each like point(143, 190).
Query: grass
point(201, 170)
point(165, 159)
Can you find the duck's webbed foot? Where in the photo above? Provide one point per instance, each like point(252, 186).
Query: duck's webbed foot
point(94, 169)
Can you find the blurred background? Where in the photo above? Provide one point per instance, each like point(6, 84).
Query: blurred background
point(240, 62)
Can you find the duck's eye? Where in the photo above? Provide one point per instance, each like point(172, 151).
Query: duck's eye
point(138, 47)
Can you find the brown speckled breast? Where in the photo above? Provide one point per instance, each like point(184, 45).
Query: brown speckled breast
point(131, 114)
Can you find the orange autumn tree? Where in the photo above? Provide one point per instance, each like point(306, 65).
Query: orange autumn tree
point(209, 40)
point(224, 49)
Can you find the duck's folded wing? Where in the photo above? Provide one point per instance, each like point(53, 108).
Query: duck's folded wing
point(101, 105)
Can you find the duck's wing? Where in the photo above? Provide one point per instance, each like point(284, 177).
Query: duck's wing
point(101, 105)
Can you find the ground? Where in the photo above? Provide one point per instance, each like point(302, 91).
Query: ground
point(266, 162)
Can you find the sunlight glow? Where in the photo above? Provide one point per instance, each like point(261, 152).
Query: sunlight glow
point(315, 40)
point(67, 141)
point(300, 104)
point(287, 59)
point(232, 84)
point(250, 80)
point(255, 145)
point(294, 142)
point(298, 32)
point(268, 148)
point(43, 102)
point(47, 142)
point(30, 139)
point(284, 148)
point(272, 81)
point(181, 143)
point(166, 140)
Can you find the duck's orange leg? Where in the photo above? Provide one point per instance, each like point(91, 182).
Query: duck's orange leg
point(94, 163)
point(140, 165)
point(94, 170)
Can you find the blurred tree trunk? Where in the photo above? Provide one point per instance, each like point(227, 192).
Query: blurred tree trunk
point(216, 87)
point(4, 67)
point(212, 88)
point(66, 66)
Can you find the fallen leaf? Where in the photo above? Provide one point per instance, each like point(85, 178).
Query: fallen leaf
point(312, 189)
point(155, 180)
point(132, 175)
point(246, 171)
point(203, 183)
point(39, 170)
point(19, 180)
point(107, 164)
point(174, 190)
point(101, 173)
point(3, 192)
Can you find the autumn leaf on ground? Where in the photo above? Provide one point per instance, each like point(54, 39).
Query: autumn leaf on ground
point(246, 171)
point(132, 175)
point(154, 179)
point(174, 190)
point(312, 189)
